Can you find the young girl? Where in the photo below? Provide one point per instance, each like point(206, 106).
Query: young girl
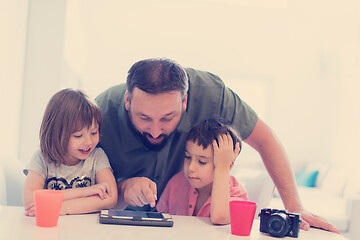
point(68, 159)
point(205, 187)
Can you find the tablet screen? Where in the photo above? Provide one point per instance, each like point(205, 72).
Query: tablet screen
point(135, 213)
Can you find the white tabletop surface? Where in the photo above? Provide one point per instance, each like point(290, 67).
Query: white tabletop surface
point(15, 225)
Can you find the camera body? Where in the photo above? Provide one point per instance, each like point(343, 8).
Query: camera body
point(279, 223)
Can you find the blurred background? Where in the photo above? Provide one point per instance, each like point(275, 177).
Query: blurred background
point(297, 63)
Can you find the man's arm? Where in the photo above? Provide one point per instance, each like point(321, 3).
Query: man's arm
point(263, 140)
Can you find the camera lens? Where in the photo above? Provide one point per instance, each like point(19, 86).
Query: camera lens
point(278, 225)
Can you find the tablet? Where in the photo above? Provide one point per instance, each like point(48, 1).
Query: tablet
point(109, 216)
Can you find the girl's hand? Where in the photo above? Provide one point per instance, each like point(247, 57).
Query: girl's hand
point(224, 154)
point(101, 189)
point(30, 211)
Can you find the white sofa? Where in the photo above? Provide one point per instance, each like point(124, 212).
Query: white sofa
point(335, 196)
point(12, 181)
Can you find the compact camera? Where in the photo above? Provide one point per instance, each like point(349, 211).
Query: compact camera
point(279, 223)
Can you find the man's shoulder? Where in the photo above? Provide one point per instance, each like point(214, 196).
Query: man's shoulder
point(112, 94)
point(200, 77)
point(205, 95)
point(110, 100)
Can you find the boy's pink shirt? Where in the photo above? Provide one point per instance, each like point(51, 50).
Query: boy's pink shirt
point(179, 197)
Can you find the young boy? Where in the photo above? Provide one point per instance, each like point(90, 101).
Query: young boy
point(205, 187)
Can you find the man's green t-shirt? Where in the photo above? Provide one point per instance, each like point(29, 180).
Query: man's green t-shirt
point(129, 157)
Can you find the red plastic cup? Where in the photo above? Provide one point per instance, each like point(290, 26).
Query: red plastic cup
point(47, 207)
point(242, 215)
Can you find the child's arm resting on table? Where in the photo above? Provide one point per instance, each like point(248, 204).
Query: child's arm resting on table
point(33, 182)
point(94, 198)
point(77, 200)
point(224, 155)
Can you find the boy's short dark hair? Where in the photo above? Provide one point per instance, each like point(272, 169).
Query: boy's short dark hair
point(206, 131)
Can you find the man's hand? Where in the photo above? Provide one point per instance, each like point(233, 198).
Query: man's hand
point(263, 140)
point(309, 219)
point(139, 191)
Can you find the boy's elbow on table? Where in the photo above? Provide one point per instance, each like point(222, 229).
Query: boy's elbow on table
point(219, 219)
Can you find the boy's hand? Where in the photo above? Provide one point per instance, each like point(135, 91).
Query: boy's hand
point(224, 153)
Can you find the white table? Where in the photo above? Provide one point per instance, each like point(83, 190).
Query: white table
point(15, 225)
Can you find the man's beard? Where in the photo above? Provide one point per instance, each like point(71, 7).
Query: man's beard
point(144, 137)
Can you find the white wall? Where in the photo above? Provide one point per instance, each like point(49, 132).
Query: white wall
point(304, 53)
point(13, 20)
point(42, 70)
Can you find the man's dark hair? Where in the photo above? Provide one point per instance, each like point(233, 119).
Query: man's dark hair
point(206, 131)
point(157, 75)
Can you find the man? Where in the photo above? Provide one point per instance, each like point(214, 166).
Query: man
point(145, 124)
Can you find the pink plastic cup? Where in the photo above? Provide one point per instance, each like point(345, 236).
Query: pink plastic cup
point(47, 207)
point(242, 215)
